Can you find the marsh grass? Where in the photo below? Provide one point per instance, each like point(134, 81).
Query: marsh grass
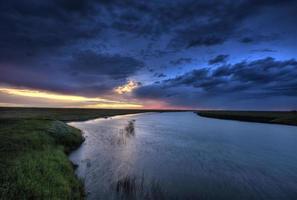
point(33, 161)
point(126, 133)
point(273, 117)
point(129, 129)
point(131, 187)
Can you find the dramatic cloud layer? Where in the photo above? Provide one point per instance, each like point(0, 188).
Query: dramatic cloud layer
point(259, 79)
point(91, 47)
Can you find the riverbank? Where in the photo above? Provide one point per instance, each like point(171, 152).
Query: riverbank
point(287, 118)
point(34, 163)
point(34, 144)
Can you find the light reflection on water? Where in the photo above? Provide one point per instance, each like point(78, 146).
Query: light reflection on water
point(184, 156)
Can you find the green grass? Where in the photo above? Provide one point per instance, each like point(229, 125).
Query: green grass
point(288, 118)
point(33, 160)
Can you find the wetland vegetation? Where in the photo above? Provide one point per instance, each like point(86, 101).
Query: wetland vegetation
point(274, 117)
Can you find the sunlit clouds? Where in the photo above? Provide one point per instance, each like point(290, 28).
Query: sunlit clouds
point(45, 97)
point(128, 87)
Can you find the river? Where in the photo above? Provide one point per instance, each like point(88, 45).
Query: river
point(180, 155)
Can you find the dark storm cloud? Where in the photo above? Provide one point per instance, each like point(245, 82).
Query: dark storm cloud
point(44, 25)
point(47, 25)
point(115, 66)
point(213, 23)
point(264, 50)
point(247, 40)
point(160, 75)
point(266, 75)
point(181, 61)
point(33, 27)
point(253, 80)
point(149, 53)
point(258, 38)
point(218, 59)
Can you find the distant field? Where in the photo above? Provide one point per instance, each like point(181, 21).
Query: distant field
point(288, 118)
point(34, 143)
point(64, 114)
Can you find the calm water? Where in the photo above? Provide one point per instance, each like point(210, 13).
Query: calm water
point(184, 156)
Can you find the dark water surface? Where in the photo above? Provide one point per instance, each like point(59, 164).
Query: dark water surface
point(184, 156)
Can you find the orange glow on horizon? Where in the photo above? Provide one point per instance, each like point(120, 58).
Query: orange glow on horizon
point(119, 106)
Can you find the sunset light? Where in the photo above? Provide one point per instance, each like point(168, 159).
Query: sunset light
point(95, 102)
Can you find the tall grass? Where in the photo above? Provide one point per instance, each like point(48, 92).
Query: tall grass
point(33, 161)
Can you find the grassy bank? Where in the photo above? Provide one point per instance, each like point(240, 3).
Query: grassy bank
point(33, 160)
point(34, 143)
point(288, 118)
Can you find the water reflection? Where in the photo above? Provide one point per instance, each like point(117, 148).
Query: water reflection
point(184, 156)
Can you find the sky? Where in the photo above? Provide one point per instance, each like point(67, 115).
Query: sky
point(166, 54)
